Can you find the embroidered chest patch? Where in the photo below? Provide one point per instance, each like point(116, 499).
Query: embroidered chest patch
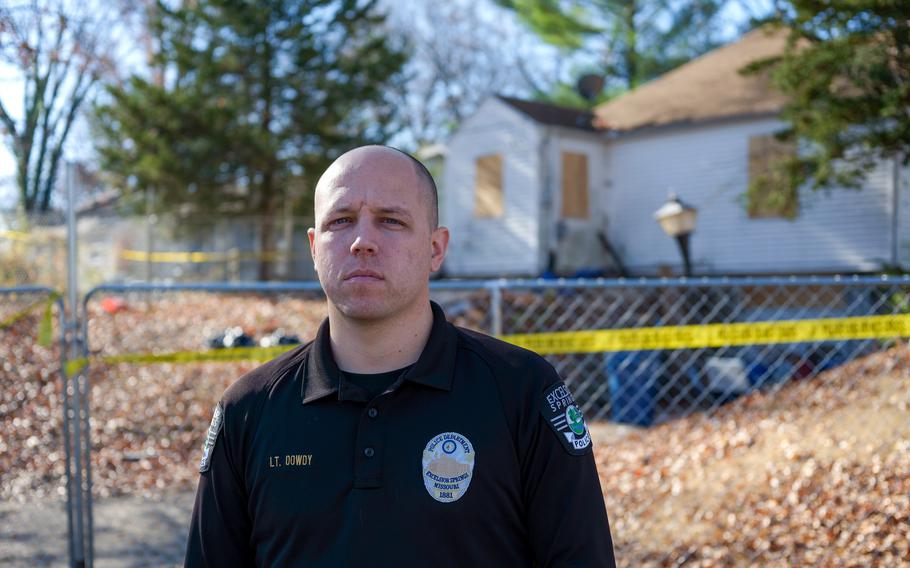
point(214, 428)
point(448, 464)
point(565, 418)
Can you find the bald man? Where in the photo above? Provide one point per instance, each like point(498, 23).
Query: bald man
point(395, 438)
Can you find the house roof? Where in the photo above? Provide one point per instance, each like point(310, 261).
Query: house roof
point(553, 115)
point(708, 87)
point(431, 151)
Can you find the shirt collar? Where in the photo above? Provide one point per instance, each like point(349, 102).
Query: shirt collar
point(434, 368)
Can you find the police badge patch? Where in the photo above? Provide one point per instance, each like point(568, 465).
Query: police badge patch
point(210, 438)
point(448, 464)
point(564, 417)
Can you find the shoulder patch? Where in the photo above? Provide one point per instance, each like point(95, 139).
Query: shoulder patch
point(211, 438)
point(562, 414)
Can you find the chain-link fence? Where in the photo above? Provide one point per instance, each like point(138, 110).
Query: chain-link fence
point(644, 387)
point(169, 248)
point(782, 442)
point(32, 250)
point(36, 461)
point(199, 248)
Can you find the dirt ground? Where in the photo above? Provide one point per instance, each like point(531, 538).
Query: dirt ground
point(817, 473)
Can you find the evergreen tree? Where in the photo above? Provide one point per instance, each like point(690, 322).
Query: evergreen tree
point(634, 40)
point(846, 73)
point(254, 98)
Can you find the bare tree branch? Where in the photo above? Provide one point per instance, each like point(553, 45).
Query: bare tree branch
point(60, 50)
point(461, 54)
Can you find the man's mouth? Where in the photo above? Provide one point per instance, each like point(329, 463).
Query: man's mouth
point(363, 276)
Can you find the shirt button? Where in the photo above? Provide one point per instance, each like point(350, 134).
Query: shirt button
point(372, 413)
point(369, 452)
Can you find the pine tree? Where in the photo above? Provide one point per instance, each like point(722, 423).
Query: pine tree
point(257, 98)
point(846, 73)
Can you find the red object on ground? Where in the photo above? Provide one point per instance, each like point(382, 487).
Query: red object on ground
point(113, 304)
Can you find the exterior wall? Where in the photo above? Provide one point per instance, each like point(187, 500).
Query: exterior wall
point(902, 232)
point(707, 166)
point(578, 248)
point(507, 245)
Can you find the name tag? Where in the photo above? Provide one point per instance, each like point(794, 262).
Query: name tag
point(291, 460)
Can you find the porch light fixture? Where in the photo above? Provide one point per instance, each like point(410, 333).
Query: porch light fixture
point(677, 219)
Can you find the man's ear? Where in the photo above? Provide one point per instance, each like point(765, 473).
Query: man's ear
point(311, 234)
point(439, 241)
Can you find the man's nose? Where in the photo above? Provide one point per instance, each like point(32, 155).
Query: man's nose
point(363, 244)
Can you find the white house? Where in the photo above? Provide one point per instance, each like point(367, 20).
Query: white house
point(531, 186)
point(520, 179)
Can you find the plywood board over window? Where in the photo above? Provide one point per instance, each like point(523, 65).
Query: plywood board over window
point(488, 186)
point(771, 192)
point(574, 185)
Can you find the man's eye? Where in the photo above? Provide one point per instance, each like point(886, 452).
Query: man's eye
point(390, 221)
point(339, 221)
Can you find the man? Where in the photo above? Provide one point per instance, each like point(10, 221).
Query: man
point(395, 438)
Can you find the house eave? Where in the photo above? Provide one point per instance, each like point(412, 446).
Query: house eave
point(686, 124)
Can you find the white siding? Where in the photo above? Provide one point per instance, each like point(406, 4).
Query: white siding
point(707, 166)
point(506, 245)
point(579, 247)
point(903, 217)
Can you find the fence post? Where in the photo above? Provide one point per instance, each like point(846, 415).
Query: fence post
point(71, 332)
point(233, 263)
point(496, 307)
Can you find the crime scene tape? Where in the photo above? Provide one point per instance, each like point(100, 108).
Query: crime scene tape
point(16, 236)
point(45, 325)
point(255, 354)
point(603, 340)
point(714, 335)
point(197, 257)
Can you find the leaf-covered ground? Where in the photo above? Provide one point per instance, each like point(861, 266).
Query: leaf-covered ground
point(816, 473)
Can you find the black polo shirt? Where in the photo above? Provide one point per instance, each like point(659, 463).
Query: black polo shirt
point(476, 456)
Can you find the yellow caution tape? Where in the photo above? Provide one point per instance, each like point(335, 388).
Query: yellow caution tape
point(45, 325)
point(16, 236)
point(595, 341)
point(25, 237)
point(256, 354)
point(197, 257)
point(143, 256)
point(713, 335)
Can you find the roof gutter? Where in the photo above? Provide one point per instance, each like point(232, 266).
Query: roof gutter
point(685, 123)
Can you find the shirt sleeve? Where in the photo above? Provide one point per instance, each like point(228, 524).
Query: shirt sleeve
point(220, 526)
point(567, 519)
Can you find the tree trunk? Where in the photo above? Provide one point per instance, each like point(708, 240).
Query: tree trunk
point(267, 210)
point(631, 51)
point(267, 232)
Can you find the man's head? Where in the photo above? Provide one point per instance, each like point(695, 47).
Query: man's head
point(376, 239)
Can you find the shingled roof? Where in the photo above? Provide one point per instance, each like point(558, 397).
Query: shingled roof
point(553, 115)
point(708, 87)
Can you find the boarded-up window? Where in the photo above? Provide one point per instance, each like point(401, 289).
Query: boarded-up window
point(771, 192)
point(488, 187)
point(574, 185)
